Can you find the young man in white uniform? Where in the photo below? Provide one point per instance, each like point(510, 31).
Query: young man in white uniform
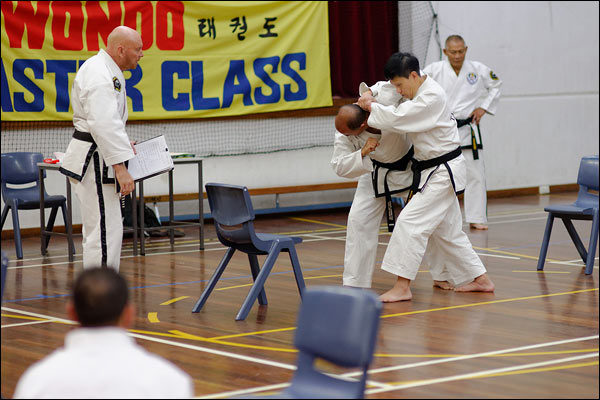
point(99, 359)
point(95, 158)
point(381, 162)
point(472, 90)
point(432, 215)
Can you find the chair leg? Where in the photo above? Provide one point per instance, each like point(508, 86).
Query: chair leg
point(545, 242)
point(297, 270)
point(63, 208)
point(17, 231)
point(589, 264)
point(575, 238)
point(262, 296)
point(4, 215)
point(260, 281)
point(213, 280)
point(50, 225)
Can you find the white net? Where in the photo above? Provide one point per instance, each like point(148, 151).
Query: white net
point(202, 138)
point(416, 21)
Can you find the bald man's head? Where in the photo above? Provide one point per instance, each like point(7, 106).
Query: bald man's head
point(351, 120)
point(124, 45)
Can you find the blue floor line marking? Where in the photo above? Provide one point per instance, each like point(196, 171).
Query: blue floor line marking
point(42, 297)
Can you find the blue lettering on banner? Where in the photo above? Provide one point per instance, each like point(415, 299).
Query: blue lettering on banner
point(5, 92)
point(259, 70)
point(19, 67)
point(61, 70)
point(137, 100)
point(198, 100)
point(236, 70)
point(168, 69)
point(286, 68)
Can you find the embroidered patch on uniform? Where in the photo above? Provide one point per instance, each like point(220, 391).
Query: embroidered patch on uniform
point(493, 76)
point(116, 84)
point(472, 78)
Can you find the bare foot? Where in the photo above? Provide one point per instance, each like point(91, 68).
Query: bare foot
point(480, 227)
point(480, 284)
point(400, 292)
point(443, 285)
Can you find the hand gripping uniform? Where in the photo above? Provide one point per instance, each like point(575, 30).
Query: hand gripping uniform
point(476, 86)
point(100, 141)
point(432, 216)
point(387, 167)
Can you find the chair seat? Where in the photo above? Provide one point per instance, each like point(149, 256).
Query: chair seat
point(267, 237)
point(569, 209)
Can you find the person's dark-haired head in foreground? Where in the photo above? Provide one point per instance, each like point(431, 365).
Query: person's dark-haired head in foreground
point(100, 298)
point(99, 359)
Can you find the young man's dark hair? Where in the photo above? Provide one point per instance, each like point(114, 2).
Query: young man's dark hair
point(401, 65)
point(99, 297)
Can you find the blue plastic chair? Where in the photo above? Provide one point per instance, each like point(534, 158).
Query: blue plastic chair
point(584, 208)
point(233, 216)
point(21, 168)
point(339, 325)
point(4, 268)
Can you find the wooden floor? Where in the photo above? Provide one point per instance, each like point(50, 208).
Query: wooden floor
point(535, 337)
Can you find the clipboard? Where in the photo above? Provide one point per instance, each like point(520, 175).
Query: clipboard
point(152, 158)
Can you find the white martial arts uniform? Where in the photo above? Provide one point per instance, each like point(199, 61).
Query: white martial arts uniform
point(103, 363)
point(476, 86)
point(369, 203)
point(100, 141)
point(432, 217)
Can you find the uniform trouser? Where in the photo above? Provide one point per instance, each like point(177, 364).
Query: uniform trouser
point(101, 218)
point(362, 237)
point(432, 220)
point(475, 197)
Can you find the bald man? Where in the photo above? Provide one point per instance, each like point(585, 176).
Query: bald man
point(96, 156)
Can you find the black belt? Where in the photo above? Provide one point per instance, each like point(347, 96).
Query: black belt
point(399, 165)
point(474, 145)
point(84, 136)
point(418, 166)
point(87, 137)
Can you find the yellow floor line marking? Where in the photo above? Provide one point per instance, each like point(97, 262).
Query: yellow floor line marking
point(24, 317)
point(426, 311)
point(541, 353)
point(513, 254)
point(545, 272)
point(253, 333)
point(318, 222)
point(184, 335)
point(487, 302)
point(250, 284)
point(153, 317)
point(524, 371)
point(173, 300)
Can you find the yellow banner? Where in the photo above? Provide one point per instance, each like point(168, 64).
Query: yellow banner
point(201, 58)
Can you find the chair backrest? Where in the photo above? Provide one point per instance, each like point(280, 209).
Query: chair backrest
point(21, 167)
point(338, 324)
point(230, 206)
point(4, 268)
point(587, 179)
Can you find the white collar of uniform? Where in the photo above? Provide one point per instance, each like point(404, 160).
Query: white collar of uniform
point(109, 60)
point(426, 83)
point(97, 337)
point(462, 69)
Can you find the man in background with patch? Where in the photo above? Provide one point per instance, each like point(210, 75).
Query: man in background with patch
point(473, 90)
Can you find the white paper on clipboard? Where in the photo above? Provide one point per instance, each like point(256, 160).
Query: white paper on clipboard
point(152, 158)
